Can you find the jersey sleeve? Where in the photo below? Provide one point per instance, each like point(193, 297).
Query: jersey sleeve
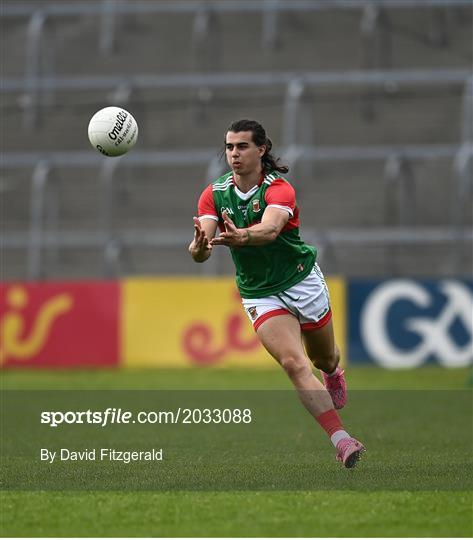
point(206, 205)
point(281, 194)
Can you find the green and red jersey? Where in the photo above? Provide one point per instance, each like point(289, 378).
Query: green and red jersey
point(271, 268)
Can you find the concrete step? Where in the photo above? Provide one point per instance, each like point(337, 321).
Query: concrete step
point(422, 261)
point(330, 194)
point(411, 116)
point(305, 40)
point(435, 260)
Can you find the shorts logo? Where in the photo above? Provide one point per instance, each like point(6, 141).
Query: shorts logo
point(300, 267)
point(256, 206)
point(253, 312)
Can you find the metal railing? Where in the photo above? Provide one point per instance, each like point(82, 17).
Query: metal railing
point(373, 13)
point(40, 90)
point(375, 34)
point(398, 177)
point(40, 84)
point(398, 173)
point(354, 78)
point(23, 9)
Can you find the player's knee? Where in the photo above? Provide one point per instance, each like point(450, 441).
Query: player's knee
point(295, 367)
point(327, 362)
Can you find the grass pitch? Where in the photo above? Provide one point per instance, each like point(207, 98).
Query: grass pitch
point(357, 510)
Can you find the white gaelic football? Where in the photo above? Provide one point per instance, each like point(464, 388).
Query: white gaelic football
point(113, 131)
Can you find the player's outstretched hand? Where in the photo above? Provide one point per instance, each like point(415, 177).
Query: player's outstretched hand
point(200, 247)
point(233, 236)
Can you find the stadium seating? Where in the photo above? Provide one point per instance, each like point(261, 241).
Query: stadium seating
point(334, 194)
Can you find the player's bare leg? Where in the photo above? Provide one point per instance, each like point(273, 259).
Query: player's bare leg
point(323, 352)
point(281, 336)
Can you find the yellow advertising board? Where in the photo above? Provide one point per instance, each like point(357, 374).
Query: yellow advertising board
point(183, 322)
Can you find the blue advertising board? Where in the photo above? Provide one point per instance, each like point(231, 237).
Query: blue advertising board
point(405, 323)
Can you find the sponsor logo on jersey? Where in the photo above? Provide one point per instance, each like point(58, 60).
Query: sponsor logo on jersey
point(244, 209)
point(256, 206)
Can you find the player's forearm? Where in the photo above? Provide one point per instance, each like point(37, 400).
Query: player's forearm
point(260, 234)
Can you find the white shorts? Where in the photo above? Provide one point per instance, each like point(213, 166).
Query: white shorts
point(308, 301)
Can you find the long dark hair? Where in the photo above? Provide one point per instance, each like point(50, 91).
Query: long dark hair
point(268, 161)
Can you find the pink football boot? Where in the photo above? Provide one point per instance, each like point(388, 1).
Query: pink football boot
point(349, 452)
point(336, 387)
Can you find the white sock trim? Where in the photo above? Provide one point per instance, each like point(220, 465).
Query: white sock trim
point(334, 372)
point(338, 436)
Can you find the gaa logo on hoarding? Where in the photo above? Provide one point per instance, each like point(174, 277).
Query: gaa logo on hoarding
point(405, 323)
